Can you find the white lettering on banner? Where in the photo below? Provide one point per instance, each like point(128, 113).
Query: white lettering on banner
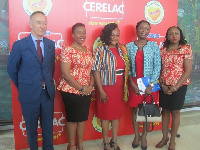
point(103, 7)
point(156, 36)
point(58, 43)
point(58, 121)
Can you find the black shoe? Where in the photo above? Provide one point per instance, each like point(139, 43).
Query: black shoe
point(112, 145)
point(134, 145)
point(144, 148)
point(104, 144)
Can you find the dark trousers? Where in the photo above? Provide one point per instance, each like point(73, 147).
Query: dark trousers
point(43, 109)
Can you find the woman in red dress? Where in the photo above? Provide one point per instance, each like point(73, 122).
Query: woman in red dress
point(110, 72)
point(177, 58)
point(144, 57)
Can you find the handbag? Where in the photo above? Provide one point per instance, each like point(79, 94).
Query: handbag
point(148, 112)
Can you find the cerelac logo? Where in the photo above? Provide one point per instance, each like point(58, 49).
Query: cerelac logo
point(31, 6)
point(154, 12)
point(104, 9)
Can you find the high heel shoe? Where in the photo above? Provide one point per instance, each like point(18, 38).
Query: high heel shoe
point(162, 143)
point(143, 142)
point(105, 144)
point(144, 147)
point(135, 145)
point(112, 145)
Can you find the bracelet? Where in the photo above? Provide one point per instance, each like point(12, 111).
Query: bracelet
point(81, 90)
point(92, 85)
point(175, 88)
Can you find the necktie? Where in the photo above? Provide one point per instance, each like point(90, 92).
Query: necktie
point(39, 50)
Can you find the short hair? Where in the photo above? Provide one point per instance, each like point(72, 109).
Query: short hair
point(36, 12)
point(182, 38)
point(77, 25)
point(107, 32)
point(138, 24)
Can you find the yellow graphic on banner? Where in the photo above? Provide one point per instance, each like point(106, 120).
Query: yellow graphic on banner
point(154, 12)
point(96, 122)
point(31, 6)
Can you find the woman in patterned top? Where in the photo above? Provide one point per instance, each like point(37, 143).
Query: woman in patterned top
point(110, 71)
point(177, 58)
point(145, 61)
point(76, 85)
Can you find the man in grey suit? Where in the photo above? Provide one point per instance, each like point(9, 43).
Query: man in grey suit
point(31, 67)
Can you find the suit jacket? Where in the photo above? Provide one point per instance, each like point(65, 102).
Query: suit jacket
point(28, 73)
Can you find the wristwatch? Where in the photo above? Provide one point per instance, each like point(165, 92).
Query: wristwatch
point(151, 84)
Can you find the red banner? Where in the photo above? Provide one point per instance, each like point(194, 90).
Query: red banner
point(95, 14)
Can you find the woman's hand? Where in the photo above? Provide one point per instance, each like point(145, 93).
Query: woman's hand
point(136, 89)
point(103, 96)
point(171, 89)
point(87, 90)
point(166, 90)
point(148, 90)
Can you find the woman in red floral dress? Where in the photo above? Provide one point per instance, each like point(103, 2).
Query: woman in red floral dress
point(177, 58)
point(76, 85)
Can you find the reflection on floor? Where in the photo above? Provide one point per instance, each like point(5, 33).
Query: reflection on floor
point(189, 137)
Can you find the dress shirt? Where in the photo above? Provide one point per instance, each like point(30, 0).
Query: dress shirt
point(41, 43)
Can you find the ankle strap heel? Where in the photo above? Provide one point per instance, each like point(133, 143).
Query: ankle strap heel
point(105, 144)
point(112, 145)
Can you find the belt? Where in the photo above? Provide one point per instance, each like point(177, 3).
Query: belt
point(120, 72)
point(43, 87)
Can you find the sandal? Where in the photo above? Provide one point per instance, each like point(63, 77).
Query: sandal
point(112, 145)
point(162, 143)
point(105, 144)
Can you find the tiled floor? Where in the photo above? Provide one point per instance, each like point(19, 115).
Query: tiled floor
point(189, 137)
